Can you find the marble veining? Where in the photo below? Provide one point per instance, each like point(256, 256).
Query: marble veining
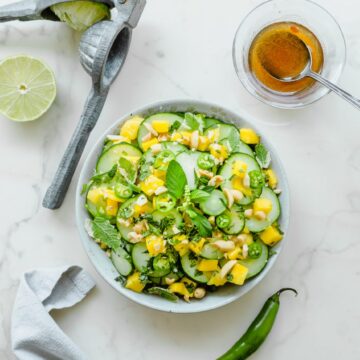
point(182, 49)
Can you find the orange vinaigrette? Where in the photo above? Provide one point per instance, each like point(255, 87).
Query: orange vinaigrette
point(276, 44)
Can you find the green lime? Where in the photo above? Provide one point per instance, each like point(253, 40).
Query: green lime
point(27, 88)
point(80, 15)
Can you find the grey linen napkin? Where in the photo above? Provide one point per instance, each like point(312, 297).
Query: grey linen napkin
point(34, 333)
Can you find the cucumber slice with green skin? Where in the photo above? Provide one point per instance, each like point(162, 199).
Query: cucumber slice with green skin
point(230, 137)
point(170, 118)
point(122, 261)
point(256, 225)
point(237, 222)
point(172, 214)
point(111, 156)
point(227, 174)
point(255, 266)
point(164, 293)
point(215, 204)
point(189, 266)
point(141, 257)
point(173, 146)
point(211, 253)
point(210, 122)
point(188, 160)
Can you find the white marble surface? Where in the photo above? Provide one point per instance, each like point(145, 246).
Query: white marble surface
point(182, 48)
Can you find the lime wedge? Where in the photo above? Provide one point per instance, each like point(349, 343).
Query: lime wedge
point(27, 88)
point(80, 15)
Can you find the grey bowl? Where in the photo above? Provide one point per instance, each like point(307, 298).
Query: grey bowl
point(103, 264)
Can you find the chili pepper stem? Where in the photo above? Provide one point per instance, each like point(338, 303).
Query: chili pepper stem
point(286, 289)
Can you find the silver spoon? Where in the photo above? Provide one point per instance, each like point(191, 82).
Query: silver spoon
point(307, 72)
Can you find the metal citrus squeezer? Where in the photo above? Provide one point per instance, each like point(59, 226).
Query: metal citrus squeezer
point(103, 50)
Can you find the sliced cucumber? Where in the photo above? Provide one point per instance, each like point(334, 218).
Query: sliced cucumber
point(128, 206)
point(99, 208)
point(188, 161)
point(227, 174)
point(122, 261)
point(170, 118)
point(189, 265)
point(141, 257)
point(211, 253)
point(209, 122)
point(237, 222)
point(255, 225)
point(172, 214)
point(215, 204)
point(164, 293)
point(111, 156)
point(229, 136)
point(255, 266)
point(173, 146)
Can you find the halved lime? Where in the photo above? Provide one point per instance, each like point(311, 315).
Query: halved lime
point(27, 88)
point(80, 15)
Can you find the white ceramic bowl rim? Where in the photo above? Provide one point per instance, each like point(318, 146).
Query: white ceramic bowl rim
point(103, 264)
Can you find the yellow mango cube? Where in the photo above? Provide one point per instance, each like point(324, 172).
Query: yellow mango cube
point(134, 282)
point(238, 184)
point(238, 274)
point(207, 265)
point(186, 137)
point(270, 236)
point(155, 245)
point(262, 204)
point(131, 127)
point(213, 135)
point(204, 143)
point(249, 136)
point(181, 244)
point(146, 145)
point(142, 209)
point(160, 126)
point(161, 174)
point(196, 247)
point(150, 184)
point(176, 136)
point(94, 195)
point(234, 254)
point(239, 168)
point(179, 288)
point(112, 207)
point(272, 178)
point(218, 151)
point(217, 280)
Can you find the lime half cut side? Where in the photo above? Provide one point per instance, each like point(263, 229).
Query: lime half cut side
point(27, 88)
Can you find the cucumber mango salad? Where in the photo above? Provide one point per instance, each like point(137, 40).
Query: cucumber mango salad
point(184, 204)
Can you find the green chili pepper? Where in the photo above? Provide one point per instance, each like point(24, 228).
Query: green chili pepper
point(258, 330)
point(223, 221)
point(163, 158)
point(122, 191)
point(165, 202)
point(205, 161)
point(255, 250)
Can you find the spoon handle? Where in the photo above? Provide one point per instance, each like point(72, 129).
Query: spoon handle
point(336, 89)
point(60, 184)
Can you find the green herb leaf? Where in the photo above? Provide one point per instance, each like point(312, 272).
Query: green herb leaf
point(174, 126)
point(166, 294)
point(262, 156)
point(105, 232)
point(105, 177)
point(201, 223)
point(84, 189)
point(199, 195)
point(194, 121)
point(127, 170)
point(175, 179)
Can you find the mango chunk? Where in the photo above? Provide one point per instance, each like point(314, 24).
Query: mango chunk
point(272, 178)
point(112, 207)
point(150, 184)
point(134, 282)
point(196, 247)
point(131, 127)
point(146, 145)
point(160, 126)
point(207, 265)
point(238, 274)
point(270, 236)
point(155, 245)
point(217, 280)
point(264, 205)
point(249, 136)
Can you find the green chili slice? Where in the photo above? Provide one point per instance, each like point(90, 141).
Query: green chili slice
point(163, 158)
point(255, 250)
point(205, 161)
point(122, 191)
point(257, 331)
point(223, 221)
point(165, 202)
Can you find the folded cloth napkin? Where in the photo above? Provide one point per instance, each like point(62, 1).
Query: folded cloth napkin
point(34, 333)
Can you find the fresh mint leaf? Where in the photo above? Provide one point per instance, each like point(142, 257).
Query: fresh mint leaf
point(194, 121)
point(127, 169)
point(199, 195)
point(174, 126)
point(84, 189)
point(201, 223)
point(105, 232)
point(175, 179)
point(262, 155)
point(105, 177)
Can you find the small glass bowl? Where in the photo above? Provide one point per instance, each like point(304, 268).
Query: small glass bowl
point(306, 13)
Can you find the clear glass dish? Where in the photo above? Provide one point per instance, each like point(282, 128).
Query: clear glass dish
point(306, 13)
